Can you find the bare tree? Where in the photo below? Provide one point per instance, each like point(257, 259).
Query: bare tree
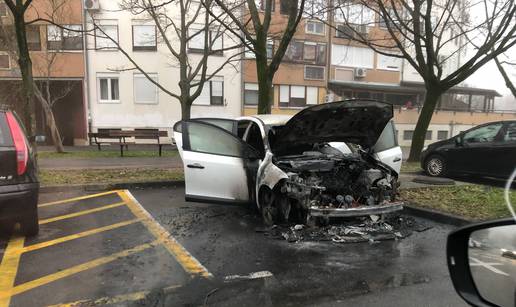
point(255, 28)
point(428, 34)
point(18, 8)
point(47, 94)
point(508, 82)
point(178, 32)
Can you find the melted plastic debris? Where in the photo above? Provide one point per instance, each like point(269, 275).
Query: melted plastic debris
point(367, 229)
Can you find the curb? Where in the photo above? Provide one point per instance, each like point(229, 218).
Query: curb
point(110, 186)
point(436, 216)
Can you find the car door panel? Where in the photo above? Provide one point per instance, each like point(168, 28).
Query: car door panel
point(391, 157)
point(215, 163)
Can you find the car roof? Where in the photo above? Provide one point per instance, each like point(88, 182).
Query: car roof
point(273, 119)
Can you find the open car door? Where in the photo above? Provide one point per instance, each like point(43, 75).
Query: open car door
point(218, 165)
point(387, 149)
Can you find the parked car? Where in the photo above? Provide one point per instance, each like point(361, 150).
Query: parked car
point(486, 150)
point(19, 185)
point(286, 165)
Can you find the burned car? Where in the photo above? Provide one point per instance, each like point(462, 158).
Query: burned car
point(318, 164)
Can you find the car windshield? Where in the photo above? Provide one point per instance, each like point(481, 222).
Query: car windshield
point(253, 153)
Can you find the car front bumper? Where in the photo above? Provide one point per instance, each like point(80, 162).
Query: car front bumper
point(17, 201)
point(358, 211)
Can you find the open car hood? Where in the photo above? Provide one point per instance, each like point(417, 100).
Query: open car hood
point(356, 121)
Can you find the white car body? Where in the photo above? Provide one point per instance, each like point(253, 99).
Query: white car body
point(218, 177)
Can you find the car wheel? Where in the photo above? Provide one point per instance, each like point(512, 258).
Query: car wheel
point(268, 207)
point(30, 225)
point(435, 166)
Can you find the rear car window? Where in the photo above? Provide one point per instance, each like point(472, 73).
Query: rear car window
point(5, 133)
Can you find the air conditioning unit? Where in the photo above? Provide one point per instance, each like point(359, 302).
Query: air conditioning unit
point(92, 5)
point(360, 72)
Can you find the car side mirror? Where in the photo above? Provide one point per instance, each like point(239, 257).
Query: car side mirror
point(482, 262)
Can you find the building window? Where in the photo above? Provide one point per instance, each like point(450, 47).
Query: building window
point(314, 27)
point(314, 72)
point(251, 94)
point(3, 10)
point(311, 52)
point(428, 135)
point(263, 2)
point(212, 93)
point(249, 54)
point(349, 56)
point(196, 41)
point(284, 6)
point(298, 96)
point(357, 14)
point(442, 135)
point(144, 90)
point(69, 38)
point(33, 38)
point(389, 62)
point(5, 62)
point(144, 38)
point(407, 135)
point(106, 37)
point(109, 90)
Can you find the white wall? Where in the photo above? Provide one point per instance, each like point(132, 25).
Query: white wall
point(453, 130)
point(127, 113)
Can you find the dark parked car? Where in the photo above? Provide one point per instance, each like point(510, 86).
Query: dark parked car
point(485, 150)
point(19, 186)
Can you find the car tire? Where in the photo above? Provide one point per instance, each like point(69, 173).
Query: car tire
point(30, 225)
point(435, 166)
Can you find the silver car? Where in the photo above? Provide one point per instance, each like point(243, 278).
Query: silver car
point(337, 159)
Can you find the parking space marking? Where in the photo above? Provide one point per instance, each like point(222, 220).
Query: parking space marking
point(9, 268)
point(123, 298)
point(187, 261)
point(76, 269)
point(69, 200)
point(488, 266)
point(77, 236)
point(76, 214)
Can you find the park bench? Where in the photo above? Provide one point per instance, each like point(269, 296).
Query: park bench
point(120, 136)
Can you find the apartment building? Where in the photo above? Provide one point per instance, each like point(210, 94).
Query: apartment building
point(322, 65)
point(58, 58)
point(122, 97)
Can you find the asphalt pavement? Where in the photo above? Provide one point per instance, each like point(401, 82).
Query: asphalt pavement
point(151, 248)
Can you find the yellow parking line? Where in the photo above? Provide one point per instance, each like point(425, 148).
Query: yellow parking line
point(130, 297)
point(9, 268)
point(74, 270)
point(78, 235)
point(76, 214)
point(75, 199)
point(187, 261)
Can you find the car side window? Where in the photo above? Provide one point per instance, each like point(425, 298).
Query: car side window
point(387, 139)
point(242, 128)
point(483, 134)
point(254, 138)
point(212, 140)
point(510, 133)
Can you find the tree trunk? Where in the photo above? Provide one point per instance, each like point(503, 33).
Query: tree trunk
point(54, 132)
point(185, 110)
point(418, 139)
point(25, 65)
point(265, 89)
point(51, 123)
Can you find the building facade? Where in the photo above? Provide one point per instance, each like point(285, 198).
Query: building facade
point(58, 59)
point(122, 97)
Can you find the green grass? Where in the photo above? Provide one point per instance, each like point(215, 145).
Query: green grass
point(106, 154)
point(51, 177)
point(474, 202)
point(410, 167)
